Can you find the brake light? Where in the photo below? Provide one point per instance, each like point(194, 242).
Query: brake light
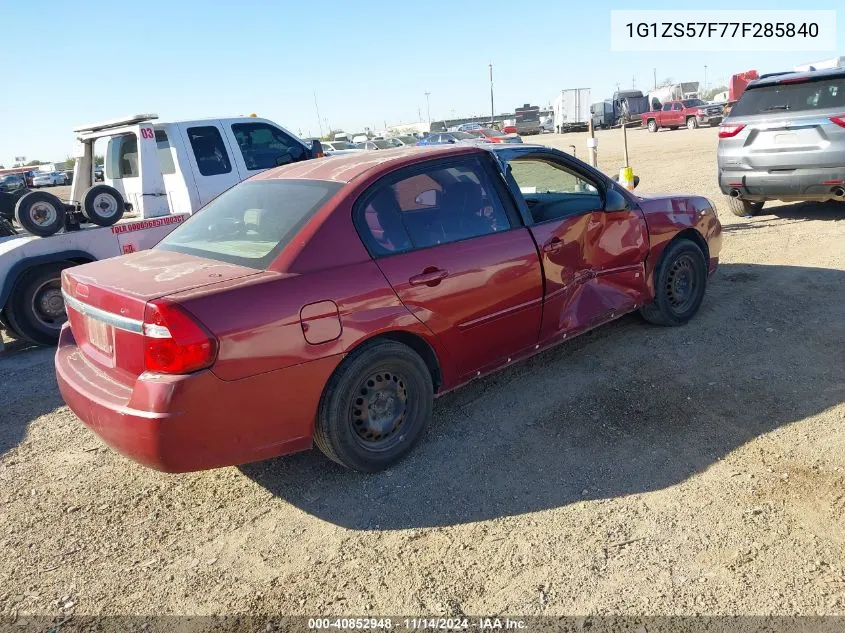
point(175, 342)
point(839, 120)
point(727, 131)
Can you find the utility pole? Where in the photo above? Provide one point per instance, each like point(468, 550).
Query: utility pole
point(655, 78)
point(319, 120)
point(633, 81)
point(617, 86)
point(705, 77)
point(428, 108)
point(492, 112)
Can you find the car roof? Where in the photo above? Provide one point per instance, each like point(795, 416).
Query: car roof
point(810, 75)
point(348, 167)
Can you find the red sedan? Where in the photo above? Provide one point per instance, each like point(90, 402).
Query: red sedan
point(328, 302)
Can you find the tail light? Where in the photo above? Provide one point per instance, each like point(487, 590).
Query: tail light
point(839, 120)
point(727, 131)
point(174, 341)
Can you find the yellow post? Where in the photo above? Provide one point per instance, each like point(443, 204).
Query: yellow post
point(626, 178)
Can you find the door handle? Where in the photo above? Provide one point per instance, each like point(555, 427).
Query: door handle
point(429, 277)
point(553, 245)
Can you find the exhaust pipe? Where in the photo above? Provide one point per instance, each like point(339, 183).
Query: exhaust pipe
point(734, 193)
point(838, 192)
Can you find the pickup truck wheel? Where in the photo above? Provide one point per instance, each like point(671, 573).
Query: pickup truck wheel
point(103, 205)
point(374, 407)
point(692, 123)
point(652, 125)
point(40, 213)
point(35, 309)
point(679, 284)
point(744, 208)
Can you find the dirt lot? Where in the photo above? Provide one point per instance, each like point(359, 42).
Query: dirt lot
point(636, 470)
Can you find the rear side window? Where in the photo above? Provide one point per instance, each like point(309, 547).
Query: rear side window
point(209, 150)
point(800, 97)
point(264, 146)
point(252, 222)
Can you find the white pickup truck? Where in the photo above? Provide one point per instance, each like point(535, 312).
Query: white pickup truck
point(159, 172)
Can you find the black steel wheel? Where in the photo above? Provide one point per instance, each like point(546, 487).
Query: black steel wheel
point(680, 282)
point(374, 407)
point(36, 309)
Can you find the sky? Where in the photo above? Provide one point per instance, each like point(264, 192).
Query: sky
point(369, 62)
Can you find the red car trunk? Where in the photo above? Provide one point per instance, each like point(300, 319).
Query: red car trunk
point(106, 302)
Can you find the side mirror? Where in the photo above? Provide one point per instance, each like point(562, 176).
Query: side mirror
point(615, 201)
point(317, 149)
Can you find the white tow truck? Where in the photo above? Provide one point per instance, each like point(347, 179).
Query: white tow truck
point(157, 172)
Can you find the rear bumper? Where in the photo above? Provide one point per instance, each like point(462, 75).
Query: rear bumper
point(197, 421)
point(797, 184)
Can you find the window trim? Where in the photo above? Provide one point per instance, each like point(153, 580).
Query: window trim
point(402, 173)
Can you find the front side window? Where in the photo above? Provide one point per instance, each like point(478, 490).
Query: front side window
point(437, 206)
point(209, 150)
point(678, 106)
point(264, 146)
point(553, 191)
point(250, 223)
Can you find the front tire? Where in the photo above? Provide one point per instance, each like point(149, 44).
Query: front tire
point(692, 123)
point(374, 407)
point(652, 125)
point(679, 284)
point(36, 309)
point(744, 208)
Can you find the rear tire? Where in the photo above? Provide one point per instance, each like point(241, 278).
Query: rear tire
point(35, 309)
point(744, 208)
point(680, 282)
point(374, 407)
point(103, 205)
point(40, 213)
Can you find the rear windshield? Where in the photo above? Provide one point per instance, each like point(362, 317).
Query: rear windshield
point(810, 95)
point(250, 223)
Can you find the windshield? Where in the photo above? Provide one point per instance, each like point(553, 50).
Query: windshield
point(692, 103)
point(792, 97)
point(250, 223)
point(407, 140)
point(463, 135)
point(492, 133)
point(383, 144)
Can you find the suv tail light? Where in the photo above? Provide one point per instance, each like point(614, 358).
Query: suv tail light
point(174, 341)
point(839, 120)
point(727, 131)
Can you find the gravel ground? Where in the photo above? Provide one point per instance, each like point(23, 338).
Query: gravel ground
point(635, 470)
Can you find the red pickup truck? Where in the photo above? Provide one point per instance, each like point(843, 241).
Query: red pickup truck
point(689, 112)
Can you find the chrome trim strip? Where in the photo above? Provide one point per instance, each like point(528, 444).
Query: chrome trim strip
point(115, 320)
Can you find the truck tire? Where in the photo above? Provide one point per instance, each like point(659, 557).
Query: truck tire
point(40, 213)
point(652, 125)
point(35, 309)
point(744, 208)
point(103, 205)
point(692, 123)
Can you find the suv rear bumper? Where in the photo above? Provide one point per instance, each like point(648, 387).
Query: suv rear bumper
point(795, 185)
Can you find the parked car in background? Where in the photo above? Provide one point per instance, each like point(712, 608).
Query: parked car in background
point(495, 136)
point(338, 148)
point(690, 113)
point(360, 138)
point(12, 182)
point(784, 140)
point(447, 138)
point(527, 120)
point(100, 173)
point(468, 127)
point(318, 327)
point(403, 141)
point(68, 176)
point(48, 179)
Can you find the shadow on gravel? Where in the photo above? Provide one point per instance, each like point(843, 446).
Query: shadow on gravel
point(626, 409)
point(27, 389)
point(797, 211)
